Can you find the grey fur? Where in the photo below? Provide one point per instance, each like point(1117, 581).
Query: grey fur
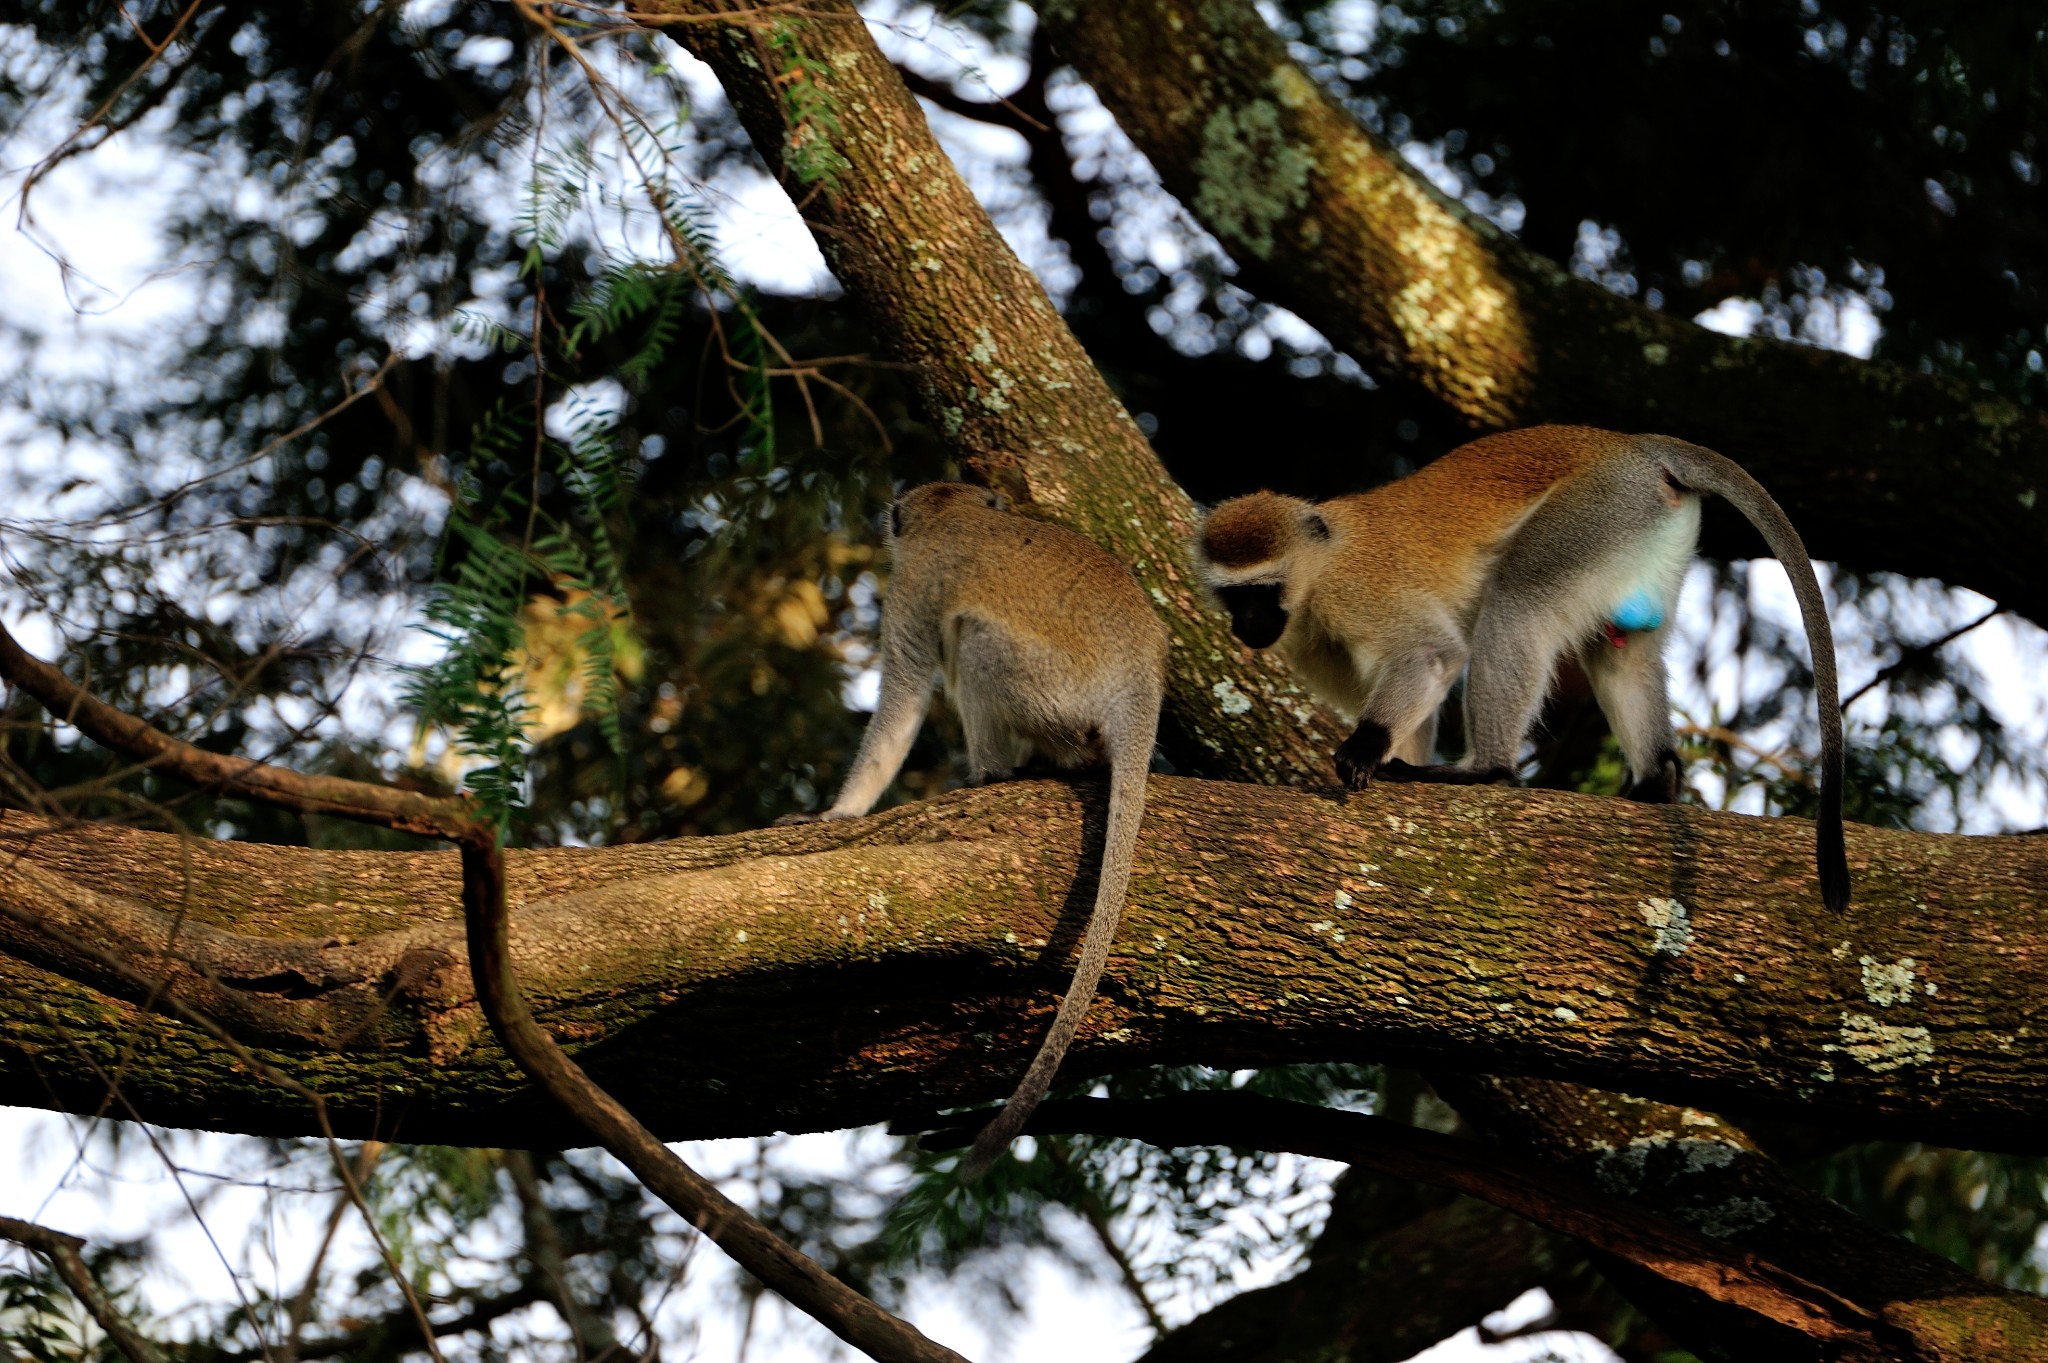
point(1047, 647)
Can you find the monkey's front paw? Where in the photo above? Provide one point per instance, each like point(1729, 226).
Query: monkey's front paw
point(1358, 756)
point(1356, 774)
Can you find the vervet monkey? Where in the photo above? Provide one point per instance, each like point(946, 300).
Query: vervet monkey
point(1047, 647)
point(1504, 555)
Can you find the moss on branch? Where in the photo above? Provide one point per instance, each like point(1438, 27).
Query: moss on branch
point(829, 976)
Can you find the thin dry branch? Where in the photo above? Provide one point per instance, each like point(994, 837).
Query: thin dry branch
point(784, 1268)
point(63, 1253)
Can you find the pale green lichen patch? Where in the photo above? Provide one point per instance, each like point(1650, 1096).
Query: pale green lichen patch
point(1673, 926)
point(1233, 701)
point(1881, 1048)
point(1656, 352)
point(1701, 1156)
point(1252, 179)
point(1731, 1217)
point(1885, 985)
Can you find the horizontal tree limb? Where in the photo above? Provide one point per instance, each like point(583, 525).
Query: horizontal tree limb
point(220, 967)
point(833, 975)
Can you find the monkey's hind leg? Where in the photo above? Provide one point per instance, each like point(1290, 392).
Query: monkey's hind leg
point(987, 676)
point(1515, 645)
point(1629, 682)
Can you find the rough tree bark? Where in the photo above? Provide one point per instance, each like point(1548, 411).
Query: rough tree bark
point(1712, 1176)
point(1881, 468)
point(826, 977)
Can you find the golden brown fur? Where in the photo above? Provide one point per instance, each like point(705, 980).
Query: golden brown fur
point(1508, 553)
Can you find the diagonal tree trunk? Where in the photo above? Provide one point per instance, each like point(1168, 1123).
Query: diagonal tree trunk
point(999, 373)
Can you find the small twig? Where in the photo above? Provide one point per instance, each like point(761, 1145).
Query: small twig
point(1913, 653)
point(589, 1330)
point(1715, 733)
point(63, 1253)
point(1098, 1221)
point(300, 1309)
point(75, 142)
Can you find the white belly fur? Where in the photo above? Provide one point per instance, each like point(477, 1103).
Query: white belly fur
point(1654, 566)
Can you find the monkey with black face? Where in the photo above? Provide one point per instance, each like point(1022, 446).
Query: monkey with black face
point(1503, 556)
point(1047, 647)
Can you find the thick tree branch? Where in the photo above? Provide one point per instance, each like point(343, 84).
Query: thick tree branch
point(1709, 1174)
point(829, 976)
point(1881, 468)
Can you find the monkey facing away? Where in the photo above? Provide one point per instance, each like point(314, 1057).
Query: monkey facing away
point(1047, 647)
point(1504, 555)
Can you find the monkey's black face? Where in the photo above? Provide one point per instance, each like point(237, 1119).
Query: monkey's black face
point(1256, 615)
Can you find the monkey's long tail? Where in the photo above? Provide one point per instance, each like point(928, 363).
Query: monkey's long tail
point(1130, 755)
point(1710, 472)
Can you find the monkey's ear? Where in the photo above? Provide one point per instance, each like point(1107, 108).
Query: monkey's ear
point(994, 499)
point(895, 520)
point(1317, 527)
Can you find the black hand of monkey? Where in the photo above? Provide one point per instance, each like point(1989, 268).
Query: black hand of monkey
point(1358, 756)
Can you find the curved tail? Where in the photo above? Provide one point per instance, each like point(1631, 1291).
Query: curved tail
point(1706, 471)
point(1130, 754)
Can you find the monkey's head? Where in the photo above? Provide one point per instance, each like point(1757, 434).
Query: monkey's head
point(923, 506)
point(1246, 551)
